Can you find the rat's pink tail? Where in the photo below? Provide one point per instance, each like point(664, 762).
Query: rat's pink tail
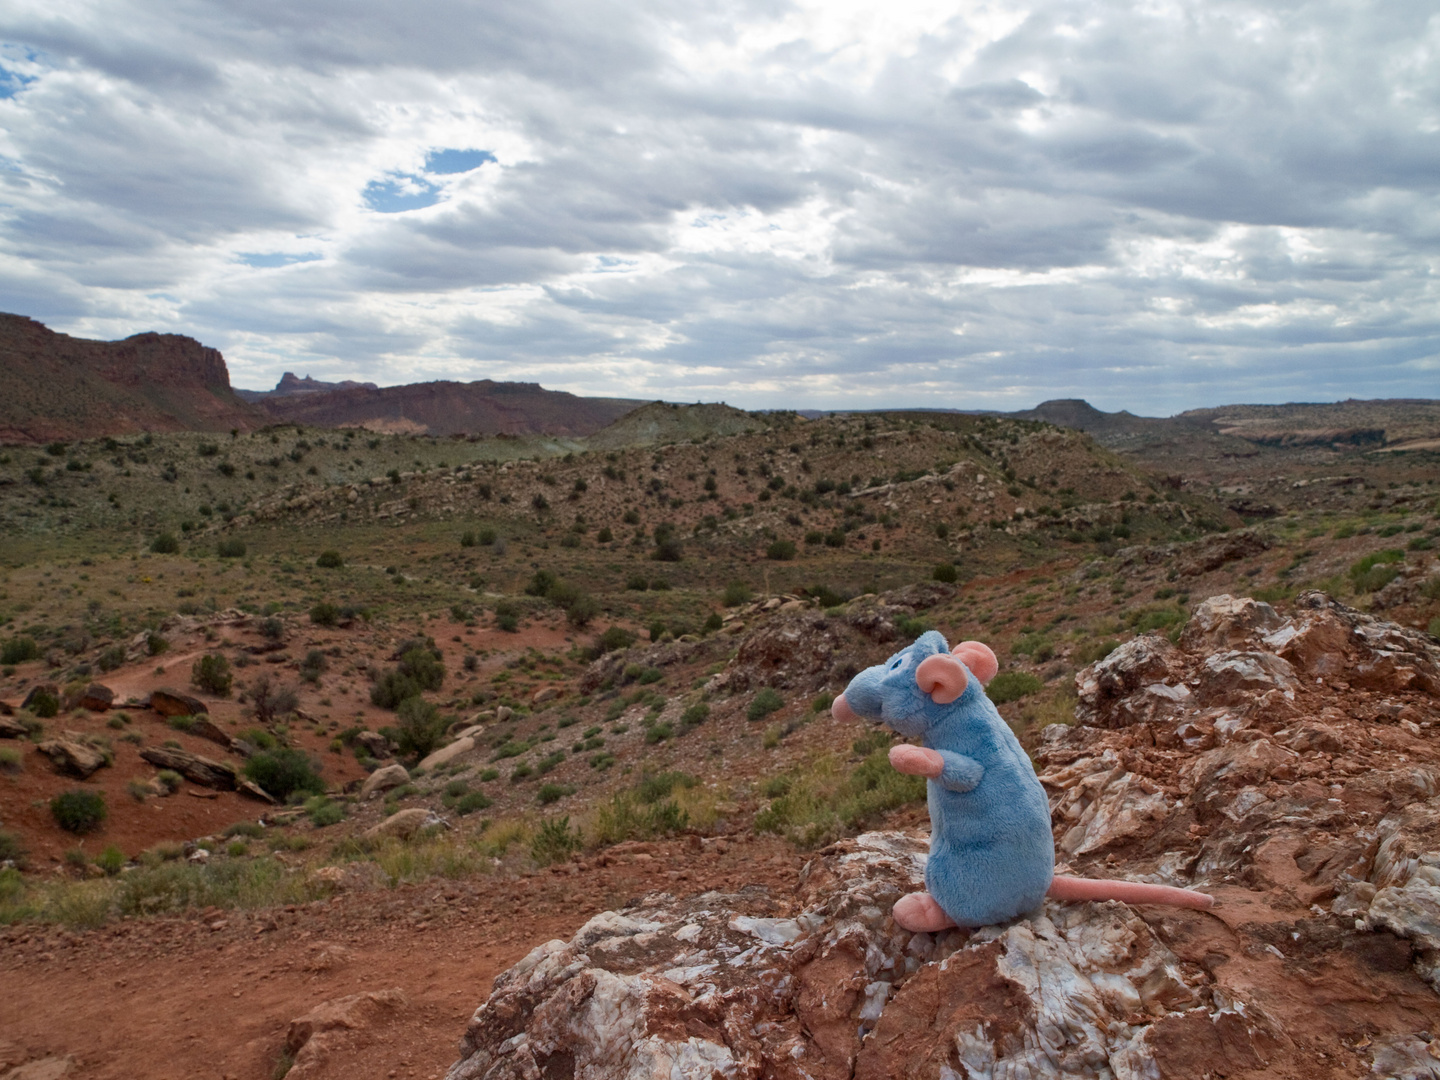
point(1131, 892)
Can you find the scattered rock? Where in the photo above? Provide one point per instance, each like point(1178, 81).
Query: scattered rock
point(169, 702)
point(96, 698)
point(196, 769)
point(73, 757)
point(375, 744)
point(46, 1068)
point(448, 753)
point(405, 823)
point(310, 1038)
point(503, 713)
point(206, 728)
point(1228, 622)
point(12, 729)
point(544, 694)
point(383, 780)
point(255, 791)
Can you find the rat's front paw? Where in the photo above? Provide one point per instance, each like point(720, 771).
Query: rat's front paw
point(916, 760)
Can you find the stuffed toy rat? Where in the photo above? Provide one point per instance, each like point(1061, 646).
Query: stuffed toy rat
point(992, 855)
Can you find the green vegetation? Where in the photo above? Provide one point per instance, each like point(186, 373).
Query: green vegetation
point(211, 673)
point(819, 804)
point(79, 810)
point(1012, 686)
point(19, 650)
point(283, 771)
point(763, 704)
point(1376, 570)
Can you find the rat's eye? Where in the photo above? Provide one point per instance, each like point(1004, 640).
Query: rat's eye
point(897, 663)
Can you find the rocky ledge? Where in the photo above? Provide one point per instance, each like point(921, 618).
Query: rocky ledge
point(1287, 765)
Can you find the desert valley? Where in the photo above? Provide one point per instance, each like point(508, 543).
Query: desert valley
point(481, 730)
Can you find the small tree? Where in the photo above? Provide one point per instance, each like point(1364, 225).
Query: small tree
point(211, 673)
point(330, 560)
point(283, 771)
point(419, 727)
point(165, 544)
point(270, 700)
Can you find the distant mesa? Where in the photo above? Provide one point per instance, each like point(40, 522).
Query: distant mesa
point(53, 386)
point(289, 384)
point(57, 387)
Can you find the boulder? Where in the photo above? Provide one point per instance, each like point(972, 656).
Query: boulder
point(374, 744)
point(73, 757)
point(1227, 622)
point(206, 728)
point(311, 1039)
point(196, 769)
point(169, 702)
point(1115, 692)
point(255, 791)
point(544, 694)
point(404, 824)
point(828, 987)
point(383, 780)
point(448, 753)
point(1232, 678)
point(96, 698)
point(12, 729)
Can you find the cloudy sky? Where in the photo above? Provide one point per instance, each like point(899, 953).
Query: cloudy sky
point(1152, 205)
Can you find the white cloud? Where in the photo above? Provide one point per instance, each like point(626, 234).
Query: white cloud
point(1154, 205)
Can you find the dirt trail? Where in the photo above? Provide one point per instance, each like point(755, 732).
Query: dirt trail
point(210, 996)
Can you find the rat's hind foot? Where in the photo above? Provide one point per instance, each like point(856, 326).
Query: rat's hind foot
point(921, 914)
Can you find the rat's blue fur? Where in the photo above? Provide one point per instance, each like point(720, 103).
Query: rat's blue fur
point(992, 855)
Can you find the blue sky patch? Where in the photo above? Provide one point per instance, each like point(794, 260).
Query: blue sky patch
point(270, 259)
point(401, 192)
point(448, 162)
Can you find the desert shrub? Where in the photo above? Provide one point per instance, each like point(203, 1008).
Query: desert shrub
point(165, 544)
point(11, 850)
point(252, 830)
point(111, 658)
point(553, 793)
point(211, 673)
point(155, 644)
point(181, 723)
point(554, 841)
point(614, 639)
point(653, 788)
point(816, 807)
point(45, 704)
point(946, 572)
point(627, 817)
point(313, 666)
point(272, 629)
point(472, 801)
point(781, 550)
point(10, 760)
point(323, 811)
point(1376, 570)
point(325, 614)
point(1037, 646)
point(486, 537)
point(763, 704)
point(1095, 650)
point(638, 582)
point(270, 701)
point(170, 780)
point(604, 536)
point(694, 716)
point(735, 594)
point(78, 810)
point(329, 559)
point(283, 771)
point(713, 622)
point(1434, 628)
point(507, 616)
point(19, 650)
point(230, 549)
point(657, 733)
point(421, 662)
point(111, 860)
point(867, 744)
point(581, 610)
point(468, 538)
point(1012, 686)
point(419, 727)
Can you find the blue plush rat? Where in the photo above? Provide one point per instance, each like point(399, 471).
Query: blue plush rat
point(992, 855)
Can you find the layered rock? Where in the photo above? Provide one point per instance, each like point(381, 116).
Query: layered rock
point(1283, 762)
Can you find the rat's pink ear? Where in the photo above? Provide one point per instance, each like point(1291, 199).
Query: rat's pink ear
point(942, 678)
point(979, 658)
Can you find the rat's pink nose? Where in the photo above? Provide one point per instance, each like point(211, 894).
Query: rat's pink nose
point(841, 710)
